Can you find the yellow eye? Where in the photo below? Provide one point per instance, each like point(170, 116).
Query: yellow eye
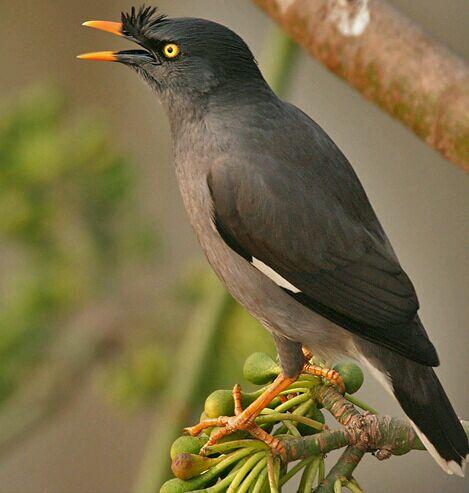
point(171, 50)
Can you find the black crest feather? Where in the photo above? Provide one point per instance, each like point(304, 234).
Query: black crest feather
point(137, 23)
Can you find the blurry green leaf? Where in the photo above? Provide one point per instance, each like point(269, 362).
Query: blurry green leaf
point(138, 377)
point(69, 221)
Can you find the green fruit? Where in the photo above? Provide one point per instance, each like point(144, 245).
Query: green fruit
point(187, 466)
point(351, 374)
point(260, 368)
point(187, 444)
point(219, 403)
point(313, 413)
point(175, 486)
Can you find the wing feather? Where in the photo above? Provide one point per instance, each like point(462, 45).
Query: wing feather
point(303, 213)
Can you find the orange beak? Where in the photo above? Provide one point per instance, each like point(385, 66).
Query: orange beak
point(100, 56)
point(103, 56)
point(110, 27)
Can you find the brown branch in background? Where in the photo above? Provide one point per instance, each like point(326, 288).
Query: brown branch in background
point(390, 60)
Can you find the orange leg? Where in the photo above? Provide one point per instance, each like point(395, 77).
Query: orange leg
point(325, 373)
point(331, 375)
point(244, 419)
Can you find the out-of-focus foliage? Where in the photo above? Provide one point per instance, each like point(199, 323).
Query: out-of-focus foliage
point(241, 333)
point(135, 379)
point(68, 225)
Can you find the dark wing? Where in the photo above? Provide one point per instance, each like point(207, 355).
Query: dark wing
point(296, 205)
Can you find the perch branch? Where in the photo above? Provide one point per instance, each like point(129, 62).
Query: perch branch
point(384, 436)
point(390, 61)
point(367, 432)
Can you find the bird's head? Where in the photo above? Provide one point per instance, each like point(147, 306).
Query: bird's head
point(180, 57)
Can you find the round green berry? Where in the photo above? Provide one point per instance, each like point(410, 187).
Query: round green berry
point(351, 374)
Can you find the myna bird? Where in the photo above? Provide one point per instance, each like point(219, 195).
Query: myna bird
point(285, 223)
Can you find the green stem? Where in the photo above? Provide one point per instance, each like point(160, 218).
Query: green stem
point(221, 485)
point(309, 475)
point(221, 448)
point(219, 468)
point(338, 486)
point(273, 418)
point(252, 476)
point(292, 429)
point(296, 469)
point(273, 470)
point(322, 471)
point(360, 404)
point(261, 480)
point(241, 474)
point(354, 487)
point(299, 399)
point(303, 408)
point(296, 389)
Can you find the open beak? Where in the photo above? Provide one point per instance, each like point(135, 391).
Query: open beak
point(103, 56)
point(100, 56)
point(110, 27)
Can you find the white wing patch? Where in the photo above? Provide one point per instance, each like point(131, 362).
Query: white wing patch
point(273, 276)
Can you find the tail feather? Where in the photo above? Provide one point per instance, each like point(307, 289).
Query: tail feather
point(423, 399)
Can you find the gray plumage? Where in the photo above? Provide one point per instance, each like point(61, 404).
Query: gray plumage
point(285, 222)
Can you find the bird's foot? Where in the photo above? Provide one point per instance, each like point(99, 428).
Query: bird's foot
point(245, 419)
point(328, 374)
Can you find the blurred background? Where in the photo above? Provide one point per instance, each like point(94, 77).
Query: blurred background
point(102, 283)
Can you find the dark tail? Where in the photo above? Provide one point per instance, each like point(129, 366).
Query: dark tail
point(423, 399)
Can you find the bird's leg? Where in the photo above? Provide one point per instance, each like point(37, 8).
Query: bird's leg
point(326, 373)
point(244, 419)
point(331, 375)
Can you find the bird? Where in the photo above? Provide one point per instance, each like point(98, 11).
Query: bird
point(285, 223)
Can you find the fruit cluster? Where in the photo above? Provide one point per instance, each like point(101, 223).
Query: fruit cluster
point(238, 463)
